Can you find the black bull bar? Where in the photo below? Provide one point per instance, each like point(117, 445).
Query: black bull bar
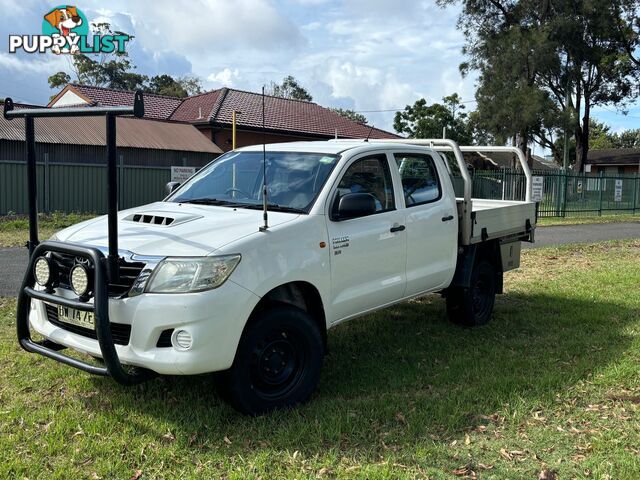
point(106, 269)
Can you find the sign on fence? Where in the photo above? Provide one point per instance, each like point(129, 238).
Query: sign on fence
point(537, 189)
point(579, 187)
point(617, 196)
point(181, 174)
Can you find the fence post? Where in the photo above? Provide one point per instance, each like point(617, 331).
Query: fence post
point(47, 184)
point(601, 185)
point(565, 194)
point(121, 192)
point(635, 192)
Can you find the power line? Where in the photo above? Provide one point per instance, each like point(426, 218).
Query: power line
point(397, 109)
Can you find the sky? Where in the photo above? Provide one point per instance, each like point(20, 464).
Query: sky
point(372, 56)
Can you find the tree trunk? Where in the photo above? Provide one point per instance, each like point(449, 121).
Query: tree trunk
point(582, 139)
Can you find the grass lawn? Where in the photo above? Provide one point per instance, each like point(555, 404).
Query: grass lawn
point(551, 221)
point(551, 384)
point(14, 229)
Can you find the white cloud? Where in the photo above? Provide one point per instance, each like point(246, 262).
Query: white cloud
point(224, 78)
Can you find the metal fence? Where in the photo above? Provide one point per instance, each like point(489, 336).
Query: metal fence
point(72, 187)
point(564, 194)
point(68, 187)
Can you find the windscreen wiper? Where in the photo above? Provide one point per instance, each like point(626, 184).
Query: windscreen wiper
point(275, 207)
point(212, 201)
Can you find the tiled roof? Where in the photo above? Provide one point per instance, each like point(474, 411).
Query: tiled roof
point(281, 114)
point(159, 107)
point(197, 108)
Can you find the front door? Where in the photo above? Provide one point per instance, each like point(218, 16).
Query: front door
point(368, 254)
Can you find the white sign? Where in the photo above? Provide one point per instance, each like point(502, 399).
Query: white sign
point(181, 174)
point(537, 189)
point(579, 187)
point(617, 196)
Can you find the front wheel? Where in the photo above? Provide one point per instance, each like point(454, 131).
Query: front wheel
point(277, 364)
point(473, 306)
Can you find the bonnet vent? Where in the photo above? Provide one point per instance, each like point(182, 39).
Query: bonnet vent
point(160, 219)
point(152, 219)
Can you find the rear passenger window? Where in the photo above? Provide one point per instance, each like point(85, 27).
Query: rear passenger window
point(419, 176)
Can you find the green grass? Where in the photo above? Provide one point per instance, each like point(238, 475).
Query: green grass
point(14, 229)
point(552, 221)
point(552, 383)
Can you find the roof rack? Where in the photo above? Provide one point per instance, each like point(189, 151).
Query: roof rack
point(110, 114)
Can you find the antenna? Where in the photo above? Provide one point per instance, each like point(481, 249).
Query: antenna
point(369, 134)
point(264, 172)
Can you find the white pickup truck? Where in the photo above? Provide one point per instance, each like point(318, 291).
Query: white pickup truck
point(208, 284)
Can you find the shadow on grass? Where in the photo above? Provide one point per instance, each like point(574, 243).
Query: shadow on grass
point(401, 376)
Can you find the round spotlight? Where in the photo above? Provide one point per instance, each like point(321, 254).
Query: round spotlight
point(79, 277)
point(42, 271)
point(182, 339)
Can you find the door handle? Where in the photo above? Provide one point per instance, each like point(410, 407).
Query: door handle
point(397, 228)
point(447, 219)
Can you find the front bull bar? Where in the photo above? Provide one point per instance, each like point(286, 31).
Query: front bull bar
point(105, 268)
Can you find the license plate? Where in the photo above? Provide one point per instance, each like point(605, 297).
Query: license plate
point(76, 317)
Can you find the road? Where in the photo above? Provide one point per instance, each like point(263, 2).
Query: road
point(13, 260)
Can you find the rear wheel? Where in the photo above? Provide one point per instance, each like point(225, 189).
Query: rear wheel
point(277, 364)
point(473, 306)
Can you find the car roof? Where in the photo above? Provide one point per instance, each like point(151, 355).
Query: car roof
point(323, 146)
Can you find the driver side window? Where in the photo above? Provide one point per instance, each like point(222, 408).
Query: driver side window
point(369, 175)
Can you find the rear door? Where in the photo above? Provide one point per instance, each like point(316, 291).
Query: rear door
point(431, 221)
point(368, 254)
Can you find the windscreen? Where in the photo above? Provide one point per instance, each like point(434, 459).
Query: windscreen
point(294, 180)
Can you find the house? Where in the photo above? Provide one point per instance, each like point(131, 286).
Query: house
point(141, 142)
point(613, 161)
point(71, 161)
point(285, 120)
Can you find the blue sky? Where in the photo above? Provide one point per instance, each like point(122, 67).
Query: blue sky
point(367, 55)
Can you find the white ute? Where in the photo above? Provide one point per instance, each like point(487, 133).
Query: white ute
point(352, 227)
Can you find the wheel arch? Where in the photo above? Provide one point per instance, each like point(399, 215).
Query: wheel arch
point(473, 254)
point(300, 294)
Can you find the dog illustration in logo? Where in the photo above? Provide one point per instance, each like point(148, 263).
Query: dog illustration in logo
point(64, 19)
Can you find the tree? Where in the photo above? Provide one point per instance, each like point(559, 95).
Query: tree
point(173, 87)
point(544, 65)
point(600, 136)
point(289, 88)
point(629, 139)
point(115, 70)
point(422, 120)
point(351, 115)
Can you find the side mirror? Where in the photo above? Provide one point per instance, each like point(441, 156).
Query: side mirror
point(354, 205)
point(170, 187)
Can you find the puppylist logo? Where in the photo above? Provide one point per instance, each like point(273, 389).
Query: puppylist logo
point(65, 29)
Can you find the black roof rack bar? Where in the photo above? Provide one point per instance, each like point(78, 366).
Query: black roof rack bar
point(136, 110)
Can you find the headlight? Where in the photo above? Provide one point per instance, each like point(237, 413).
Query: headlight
point(183, 275)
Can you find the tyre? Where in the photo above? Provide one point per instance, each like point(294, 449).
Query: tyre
point(473, 306)
point(277, 364)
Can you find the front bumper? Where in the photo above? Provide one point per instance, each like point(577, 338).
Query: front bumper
point(214, 319)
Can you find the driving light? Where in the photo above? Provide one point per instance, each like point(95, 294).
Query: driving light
point(42, 271)
point(195, 274)
point(182, 339)
point(79, 280)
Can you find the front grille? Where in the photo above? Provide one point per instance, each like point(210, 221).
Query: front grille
point(129, 271)
point(120, 332)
